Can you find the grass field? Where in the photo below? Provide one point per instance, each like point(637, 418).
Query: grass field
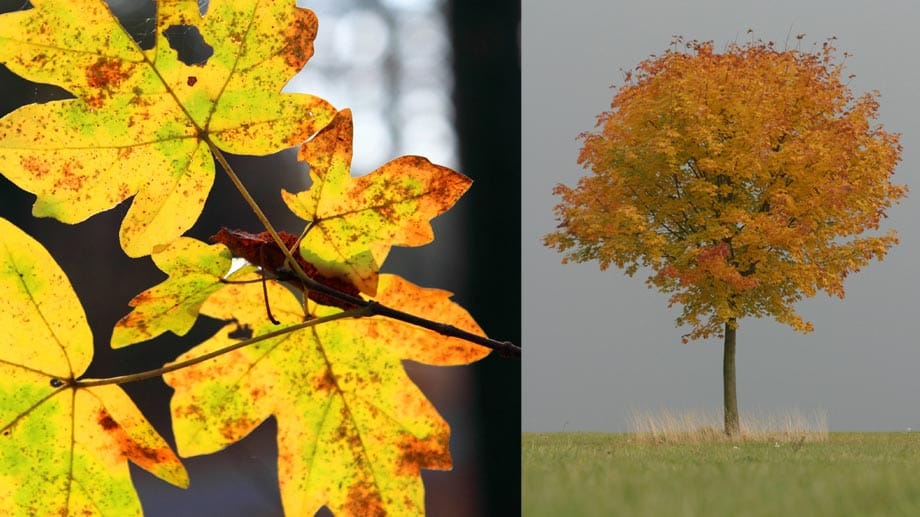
point(849, 474)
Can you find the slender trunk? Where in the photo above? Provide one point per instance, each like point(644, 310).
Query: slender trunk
point(732, 422)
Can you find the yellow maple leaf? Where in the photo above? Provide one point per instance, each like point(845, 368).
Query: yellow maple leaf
point(353, 222)
point(195, 270)
point(63, 448)
point(353, 430)
point(141, 120)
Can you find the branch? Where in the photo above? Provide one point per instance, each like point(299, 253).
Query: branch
point(149, 374)
point(504, 348)
point(219, 156)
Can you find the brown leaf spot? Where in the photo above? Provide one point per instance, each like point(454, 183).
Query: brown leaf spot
point(324, 383)
point(235, 428)
point(191, 412)
point(105, 74)
point(138, 453)
point(34, 165)
point(69, 178)
point(191, 80)
point(106, 421)
point(257, 393)
point(95, 101)
point(124, 192)
point(341, 432)
point(363, 499)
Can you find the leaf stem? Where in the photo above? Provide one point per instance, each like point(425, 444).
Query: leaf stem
point(219, 156)
point(504, 348)
point(148, 374)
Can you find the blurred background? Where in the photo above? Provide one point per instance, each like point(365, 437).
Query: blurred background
point(435, 78)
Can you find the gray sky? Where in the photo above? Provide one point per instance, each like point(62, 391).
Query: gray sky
point(600, 344)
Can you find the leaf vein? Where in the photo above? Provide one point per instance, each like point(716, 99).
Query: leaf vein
point(41, 314)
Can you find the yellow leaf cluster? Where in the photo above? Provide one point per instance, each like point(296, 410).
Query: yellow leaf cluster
point(353, 429)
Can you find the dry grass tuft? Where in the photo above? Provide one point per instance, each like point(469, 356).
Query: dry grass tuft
point(690, 427)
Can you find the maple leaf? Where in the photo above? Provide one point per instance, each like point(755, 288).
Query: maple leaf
point(353, 430)
point(196, 270)
point(64, 448)
point(141, 119)
point(353, 222)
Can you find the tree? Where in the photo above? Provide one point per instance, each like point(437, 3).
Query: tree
point(744, 181)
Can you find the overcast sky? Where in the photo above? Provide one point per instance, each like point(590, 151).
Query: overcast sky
point(600, 344)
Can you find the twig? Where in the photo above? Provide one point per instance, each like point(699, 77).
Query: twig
point(149, 374)
point(503, 348)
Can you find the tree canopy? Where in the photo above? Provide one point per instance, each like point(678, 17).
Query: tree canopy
point(745, 180)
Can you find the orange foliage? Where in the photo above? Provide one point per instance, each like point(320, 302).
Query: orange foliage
point(745, 180)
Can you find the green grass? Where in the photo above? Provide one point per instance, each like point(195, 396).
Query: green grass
point(851, 474)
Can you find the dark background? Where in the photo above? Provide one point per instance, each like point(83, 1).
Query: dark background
point(242, 480)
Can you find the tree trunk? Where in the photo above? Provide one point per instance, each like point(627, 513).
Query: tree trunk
point(732, 422)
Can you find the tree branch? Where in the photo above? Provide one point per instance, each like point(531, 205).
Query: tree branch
point(504, 348)
point(149, 374)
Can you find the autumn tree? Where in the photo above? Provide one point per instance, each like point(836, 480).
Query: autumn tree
point(743, 181)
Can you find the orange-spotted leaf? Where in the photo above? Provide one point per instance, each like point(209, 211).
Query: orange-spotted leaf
point(353, 430)
point(353, 222)
point(63, 449)
point(141, 118)
point(196, 270)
